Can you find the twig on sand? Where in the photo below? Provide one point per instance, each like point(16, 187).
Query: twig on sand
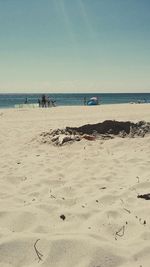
point(137, 177)
point(122, 201)
point(120, 232)
point(52, 196)
point(37, 252)
point(127, 210)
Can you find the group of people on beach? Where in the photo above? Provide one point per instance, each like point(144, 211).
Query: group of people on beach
point(46, 102)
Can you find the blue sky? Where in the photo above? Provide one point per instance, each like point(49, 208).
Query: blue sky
point(74, 46)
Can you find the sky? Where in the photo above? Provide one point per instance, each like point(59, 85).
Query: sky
point(74, 46)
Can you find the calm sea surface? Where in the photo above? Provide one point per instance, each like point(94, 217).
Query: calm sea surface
point(10, 100)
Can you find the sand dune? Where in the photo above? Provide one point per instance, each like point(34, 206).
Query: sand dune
point(94, 184)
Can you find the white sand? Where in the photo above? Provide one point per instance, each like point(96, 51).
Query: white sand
point(93, 183)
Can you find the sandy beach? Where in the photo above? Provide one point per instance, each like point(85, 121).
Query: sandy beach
point(74, 205)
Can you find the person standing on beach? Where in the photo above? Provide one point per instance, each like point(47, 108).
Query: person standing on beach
point(85, 101)
point(43, 101)
point(39, 102)
point(48, 102)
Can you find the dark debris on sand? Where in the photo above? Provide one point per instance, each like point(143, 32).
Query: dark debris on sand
point(104, 130)
point(145, 196)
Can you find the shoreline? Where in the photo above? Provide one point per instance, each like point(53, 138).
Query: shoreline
point(102, 104)
point(63, 106)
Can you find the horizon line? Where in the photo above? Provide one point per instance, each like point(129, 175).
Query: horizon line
point(2, 93)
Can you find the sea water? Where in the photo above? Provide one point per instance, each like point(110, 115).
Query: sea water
point(10, 100)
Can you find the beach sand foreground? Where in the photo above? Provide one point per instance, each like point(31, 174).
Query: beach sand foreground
point(74, 205)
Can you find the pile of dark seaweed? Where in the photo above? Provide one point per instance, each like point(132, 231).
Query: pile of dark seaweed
point(103, 130)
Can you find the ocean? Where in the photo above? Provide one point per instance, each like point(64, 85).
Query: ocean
point(10, 100)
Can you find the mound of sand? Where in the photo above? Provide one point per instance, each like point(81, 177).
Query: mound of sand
point(103, 130)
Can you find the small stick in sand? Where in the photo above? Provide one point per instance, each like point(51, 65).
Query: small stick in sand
point(122, 201)
point(120, 232)
point(52, 196)
point(37, 252)
point(127, 210)
point(137, 177)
